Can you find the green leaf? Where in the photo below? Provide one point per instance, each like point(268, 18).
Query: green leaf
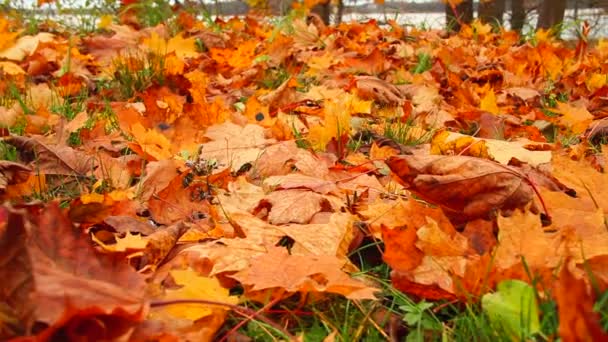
point(424, 63)
point(513, 307)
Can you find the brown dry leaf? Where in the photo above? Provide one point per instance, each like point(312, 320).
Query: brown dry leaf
point(234, 146)
point(466, 186)
point(331, 238)
point(123, 224)
point(26, 45)
point(12, 173)
point(581, 218)
point(283, 157)
point(574, 116)
point(499, 150)
point(157, 176)
point(293, 206)
point(522, 237)
point(480, 235)
point(53, 159)
point(233, 254)
point(400, 251)
point(586, 181)
point(57, 279)
point(300, 181)
point(278, 271)
point(176, 202)
point(240, 196)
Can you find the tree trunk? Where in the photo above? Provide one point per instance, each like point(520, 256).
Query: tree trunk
point(550, 13)
point(323, 11)
point(492, 11)
point(518, 15)
point(461, 13)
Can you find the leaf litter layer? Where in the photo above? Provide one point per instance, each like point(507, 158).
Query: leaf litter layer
point(182, 181)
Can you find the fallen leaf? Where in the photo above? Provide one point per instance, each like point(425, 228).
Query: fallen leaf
point(465, 186)
point(276, 270)
point(578, 320)
point(57, 279)
point(514, 308)
point(295, 206)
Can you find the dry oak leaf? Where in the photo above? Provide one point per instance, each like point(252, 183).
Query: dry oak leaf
point(277, 270)
point(467, 186)
point(54, 277)
point(234, 146)
point(578, 319)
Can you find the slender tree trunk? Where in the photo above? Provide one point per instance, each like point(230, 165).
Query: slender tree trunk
point(550, 13)
point(339, 12)
point(462, 13)
point(492, 11)
point(518, 15)
point(323, 11)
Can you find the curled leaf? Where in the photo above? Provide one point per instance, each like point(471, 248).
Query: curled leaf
point(467, 186)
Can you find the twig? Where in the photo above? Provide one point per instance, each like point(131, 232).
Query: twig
point(250, 317)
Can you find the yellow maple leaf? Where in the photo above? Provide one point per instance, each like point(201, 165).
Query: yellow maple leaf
point(337, 120)
point(130, 242)
point(196, 287)
point(596, 81)
point(11, 68)
point(542, 35)
point(105, 21)
point(152, 142)
point(242, 57)
point(488, 103)
point(577, 118)
point(174, 65)
point(92, 198)
point(446, 143)
point(198, 88)
point(183, 47)
point(156, 43)
point(7, 38)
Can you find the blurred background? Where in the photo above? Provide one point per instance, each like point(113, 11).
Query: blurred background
point(567, 16)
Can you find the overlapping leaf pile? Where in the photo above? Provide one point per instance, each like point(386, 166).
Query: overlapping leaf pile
point(180, 163)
